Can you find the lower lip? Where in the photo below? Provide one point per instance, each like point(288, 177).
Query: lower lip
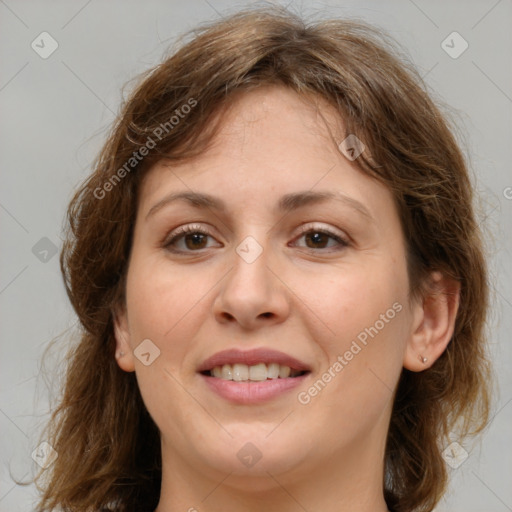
point(252, 392)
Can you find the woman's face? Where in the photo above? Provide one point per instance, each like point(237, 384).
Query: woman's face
point(268, 265)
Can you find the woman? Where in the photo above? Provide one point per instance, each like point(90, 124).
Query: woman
point(280, 280)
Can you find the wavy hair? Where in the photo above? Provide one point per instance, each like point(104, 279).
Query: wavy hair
point(108, 445)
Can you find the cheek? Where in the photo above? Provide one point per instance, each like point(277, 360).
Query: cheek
point(368, 317)
point(371, 332)
point(358, 300)
point(164, 309)
point(158, 297)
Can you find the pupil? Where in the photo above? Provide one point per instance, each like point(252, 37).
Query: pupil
point(316, 238)
point(196, 238)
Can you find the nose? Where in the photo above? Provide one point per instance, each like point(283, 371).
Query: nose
point(252, 294)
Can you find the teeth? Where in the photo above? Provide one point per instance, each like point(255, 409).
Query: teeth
point(226, 372)
point(240, 372)
point(258, 372)
point(273, 370)
point(284, 371)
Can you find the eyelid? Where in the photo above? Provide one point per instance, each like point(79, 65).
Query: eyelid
point(201, 227)
point(184, 230)
point(314, 225)
point(190, 227)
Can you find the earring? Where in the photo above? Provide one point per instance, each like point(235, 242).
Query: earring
point(422, 359)
point(120, 354)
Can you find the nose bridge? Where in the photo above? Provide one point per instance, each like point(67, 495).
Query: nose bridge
point(251, 289)
point(250, 249)
point(250, 265)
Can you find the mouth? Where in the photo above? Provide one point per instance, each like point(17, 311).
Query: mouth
point(252, 377)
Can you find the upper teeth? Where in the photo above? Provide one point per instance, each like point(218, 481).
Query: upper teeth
point(258, 372)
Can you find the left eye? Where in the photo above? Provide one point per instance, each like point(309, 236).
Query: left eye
point(195, 238)
point(321, 236)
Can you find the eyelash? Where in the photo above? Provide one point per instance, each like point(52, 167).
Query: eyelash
point(196, 229)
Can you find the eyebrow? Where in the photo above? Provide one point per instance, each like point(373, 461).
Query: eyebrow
point(286, 203)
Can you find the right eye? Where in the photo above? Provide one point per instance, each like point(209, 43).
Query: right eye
point(193, 236)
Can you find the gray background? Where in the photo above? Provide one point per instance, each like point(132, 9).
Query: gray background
point(54, 113)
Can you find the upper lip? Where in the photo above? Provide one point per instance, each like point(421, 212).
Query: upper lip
point(252, 357)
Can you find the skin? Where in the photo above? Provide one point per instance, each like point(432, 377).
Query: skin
point(307, 298)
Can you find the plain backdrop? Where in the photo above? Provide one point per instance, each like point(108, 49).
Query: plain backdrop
point(54, 113)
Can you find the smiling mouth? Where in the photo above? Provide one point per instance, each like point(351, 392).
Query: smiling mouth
point(257, 373)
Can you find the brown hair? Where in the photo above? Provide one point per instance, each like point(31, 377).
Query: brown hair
point(108, 445)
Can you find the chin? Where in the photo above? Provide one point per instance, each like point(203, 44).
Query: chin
point(253, 454)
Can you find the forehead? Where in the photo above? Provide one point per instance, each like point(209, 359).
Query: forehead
point(270, 141)
point(271, 123)
point(282, 116)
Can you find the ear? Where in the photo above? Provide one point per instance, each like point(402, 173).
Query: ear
point(124, 353)
point(433, 323)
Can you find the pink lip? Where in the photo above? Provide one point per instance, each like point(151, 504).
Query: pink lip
point(252, 392)
point(252, 357)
